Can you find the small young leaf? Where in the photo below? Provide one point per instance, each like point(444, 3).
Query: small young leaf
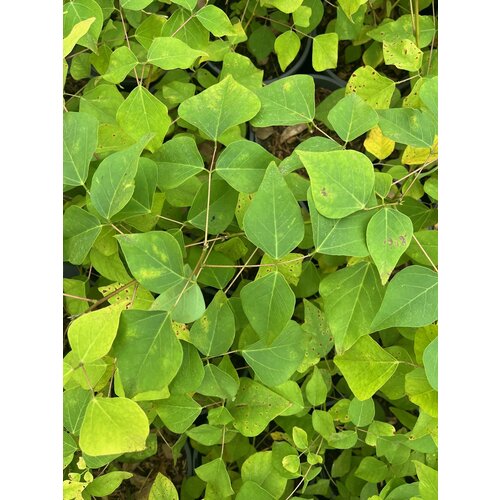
point(372, 470)
point(178, 412)
point(361, 413)
point(105, 484)
point(325, 51)
point(300, 438)
point(113, 425)
point(163, 489)
point(410, 299)
point(316, 389)
point(378, 145)
point(121, 63)
point(215, 474)
point(387, 236)
point(171, 53)
point(80, 231)
point(273, 221)
point(430, 359)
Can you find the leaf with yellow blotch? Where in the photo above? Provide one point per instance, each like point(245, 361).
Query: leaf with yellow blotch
point(378, 145)
point(419, 156)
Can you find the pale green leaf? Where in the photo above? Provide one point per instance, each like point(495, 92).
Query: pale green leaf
point(76, 11)
point(428, 481)
point(215, 474)
point(286, 47)
point(92, 334)
point(374, 88)
point(372, 470)
point(352, 117)
point(170, 53)
point(242, 69)
point(273, 222)
point(325, 51)
point(77, 31)
point(341, 181)
point(148, 354)
point(215, 20)
point(218, 383)
point(220, 107)
point(350, 7)
point(428, 94)
point(403, 54)
point(366, 367)
point(178, 412)
point(162, 489)
point(105, 484)
point(80, 230)
point(135, 4)
point(75, 402)
point(259, 469)
point(80, 143)
point(316, 389)
point(430, 359)
point(410, 299)
point(420, 392)
point(388, 234)
point(287, 101)
point(121, 63)
point(142, 113)
point(361, 413)
point(113, 425)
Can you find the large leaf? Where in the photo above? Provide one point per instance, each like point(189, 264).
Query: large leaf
point(374, 88)
point(341, 181)
point(170, 53)
point(148, 354)
point(92, 334)
point(113, 425)
point(142, 113)
point(408, 126)
point(366, 367)
point(346, 236)
point(352, 117)
point(220, 107)
point(287, 101)
point(352, 297)
point(268, 303)
point(243, 165)
point(80, 230)
point(254, 407)
point(276, 362)
point(213, 333)
point(273, 222)
point(428, 481)
point(80, 143)
point(154, 259)
point(113, 182)
point(178, 160)
point(388, 235)
point(410, 300)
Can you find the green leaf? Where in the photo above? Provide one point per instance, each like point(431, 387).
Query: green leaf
point(135, 4)
point(218, 383)
point(113, 182)
point(316, 389)
point(322, 422)
point(403, 54)
point(352, 297)
point(366, 367)
point(372, 470)
point(346, 236)
point(149, 29)
point(361, 413)
point(273, 222)
point(430, 359)
point(148, 354)
point(178, 412)
point(102, 102)
point(213, 333)
point(276, 362)
point(77, 32)
point(259, 469)
point(250, 490)
point(92, 334)
point(290, 266)
point(220, 107)
point(387, 236)
point(428, 481)
point(163, 489)
point(352, 117)
point(121, 63)
point(223, 200)
point(215, 20)
point(154, 259)
point(420, 392)
point(215, 474)
point(287, 101)
point(80, 143)
point(142, 113)
point(408, 126)
point(325, 51)
point(104, 485)
point(76, 11)
point(254, 407)
point(410, 299)
point(113, 425)
point(350, 7)
point(286, 6)
point(80, 230)
point(344, 440)
point(243, 165)
point(268, 303)
point(191, 372)
point(187, 4)
point(286, 47)
point(428, 94)
point(374, 88)
point(171, 53)
point(178, 160)
point(75, 402)
point(242, 69)
point(341, 181)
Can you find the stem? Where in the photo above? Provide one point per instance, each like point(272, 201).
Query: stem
point(425, 253)
point(87, 379)
point(112, 294)
point(77, 297)
point(240, 271)
point(128, 43)
point(207, 215)
point(258, 265)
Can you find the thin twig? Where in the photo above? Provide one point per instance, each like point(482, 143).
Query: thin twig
point(77, 297)
point(425, 253)
point(240, 271)
point(128, 43)
point(207, 214)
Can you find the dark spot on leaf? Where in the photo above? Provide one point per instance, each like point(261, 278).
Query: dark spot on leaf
point(323, 192)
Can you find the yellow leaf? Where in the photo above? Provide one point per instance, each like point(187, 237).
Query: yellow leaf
point(378, 145)
point(419, 156)
point(77, 32)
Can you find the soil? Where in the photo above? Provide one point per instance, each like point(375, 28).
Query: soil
point(138, 486)
point(74, 86)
